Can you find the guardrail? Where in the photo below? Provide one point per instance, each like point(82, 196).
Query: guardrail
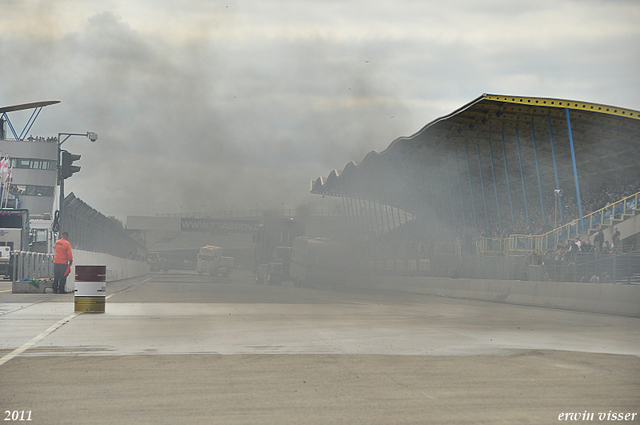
point(31, 265)
point(549, 240)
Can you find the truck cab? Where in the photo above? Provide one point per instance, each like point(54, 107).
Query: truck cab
point(41, 236)
point(14, 236)
point(211, 261)
point(155, 261)
point(272, 253)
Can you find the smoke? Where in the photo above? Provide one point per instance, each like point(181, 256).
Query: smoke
point(212, 106)
point(191, 124)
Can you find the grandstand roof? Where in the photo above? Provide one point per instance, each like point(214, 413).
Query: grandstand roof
point(31, 105)
point(606, 141)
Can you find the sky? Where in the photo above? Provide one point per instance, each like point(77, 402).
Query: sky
point(207, 105)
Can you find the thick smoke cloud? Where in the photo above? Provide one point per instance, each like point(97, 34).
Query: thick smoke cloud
point(239, 105)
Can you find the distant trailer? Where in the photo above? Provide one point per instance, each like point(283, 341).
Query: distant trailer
point(320, 262)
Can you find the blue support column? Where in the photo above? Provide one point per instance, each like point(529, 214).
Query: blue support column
point(369, 218)
point(29, 124)
point(433, 195)
point(484, 198)
point(359, 221)
point(453, 213)
point(370, 214)
point(379, 218)
point(344, 206)
point(345, 200)
point(367, 223)
point(375, 216)
point(464, 220)
point(424, 197)
point(352, 216)
point(495, 187)
point(555, 168)
point(360, 225)
point(524, 190)
point(8, 121)
point(575, 171)
point(444, 208)
point(506, 173)
point(473, 203)
point(393, 219)
point(357, 224)
point(535, 155)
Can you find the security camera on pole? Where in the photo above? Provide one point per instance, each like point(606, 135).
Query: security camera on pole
point(65, 166)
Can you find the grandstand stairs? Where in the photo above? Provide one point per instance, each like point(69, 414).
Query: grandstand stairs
point(613, 222)
point(623, 215)
point(627, 223)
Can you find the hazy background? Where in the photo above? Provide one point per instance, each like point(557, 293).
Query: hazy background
point(211, 105)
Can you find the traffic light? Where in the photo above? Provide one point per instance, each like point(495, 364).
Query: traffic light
point(67, 169)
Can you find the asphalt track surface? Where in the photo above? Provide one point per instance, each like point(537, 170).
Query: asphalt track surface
point(178, 348)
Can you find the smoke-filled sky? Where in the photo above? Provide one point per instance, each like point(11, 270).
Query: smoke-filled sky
point(216, 105)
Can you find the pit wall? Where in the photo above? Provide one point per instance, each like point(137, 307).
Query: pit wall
point(607, 298)
point(117, 268)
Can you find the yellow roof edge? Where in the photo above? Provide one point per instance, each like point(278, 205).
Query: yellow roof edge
point(563, 103)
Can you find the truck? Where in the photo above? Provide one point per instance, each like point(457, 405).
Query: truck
point(155, 261)
point(41, 235)
point(320, 262)
point(14, 237)
point(272, 252)
point(210, 260)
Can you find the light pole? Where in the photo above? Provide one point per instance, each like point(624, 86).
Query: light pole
point(91, 136)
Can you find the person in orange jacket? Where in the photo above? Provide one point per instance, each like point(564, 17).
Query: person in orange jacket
point(62, 258)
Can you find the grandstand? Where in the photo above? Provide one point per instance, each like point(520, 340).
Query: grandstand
point(502, 176)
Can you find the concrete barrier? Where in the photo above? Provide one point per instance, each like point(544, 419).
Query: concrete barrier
point(37, 286)
point(607, 298)
point(117, 268)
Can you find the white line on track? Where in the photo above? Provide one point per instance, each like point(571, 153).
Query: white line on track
point(38, 338)
point(52, 328)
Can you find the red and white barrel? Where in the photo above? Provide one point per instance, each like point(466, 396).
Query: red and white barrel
point(91, 289)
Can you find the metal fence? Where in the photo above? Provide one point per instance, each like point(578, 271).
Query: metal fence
point(31, 265)
point(89, 230)
point(607, 268)
point(454, 266)
point(594, 267)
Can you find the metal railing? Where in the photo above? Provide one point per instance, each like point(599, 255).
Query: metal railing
point(592, 221)
point(521, 244)
point(255, 213)
point(549, 240)
point(492, 246)
point(31, 265)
